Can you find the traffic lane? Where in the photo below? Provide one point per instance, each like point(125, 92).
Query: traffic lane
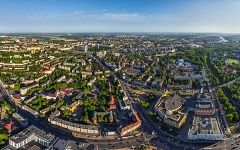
point(121, 144)
point(170, 140)
point(45, 126)
point(138, 138)
point(166, 139)
point(62, 134)
point(121, 83)
point(227, 144)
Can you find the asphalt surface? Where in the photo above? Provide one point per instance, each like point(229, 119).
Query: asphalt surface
point(62, 134)
point(229, 144)
point(162, 137)
point(152, 132)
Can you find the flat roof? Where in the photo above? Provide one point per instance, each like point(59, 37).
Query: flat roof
point(89, 127)
point(30, 131)
point(205, 105)
point(203, 125)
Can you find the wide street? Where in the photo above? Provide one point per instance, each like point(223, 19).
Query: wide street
point(103, 143)
point(150, 128)
point(163, 138)
point(228, 144)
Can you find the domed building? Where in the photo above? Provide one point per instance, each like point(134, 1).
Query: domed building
point(169, 109)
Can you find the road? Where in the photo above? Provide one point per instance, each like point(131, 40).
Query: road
point(225, 84)
point(229, 144)
point(162, 137)
point(101, 143)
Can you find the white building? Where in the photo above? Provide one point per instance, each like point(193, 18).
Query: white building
point(205, 129)
point(73, 127)
point(31, 134)
point(24, 90)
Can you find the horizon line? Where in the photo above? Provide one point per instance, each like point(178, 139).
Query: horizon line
point(151, 32)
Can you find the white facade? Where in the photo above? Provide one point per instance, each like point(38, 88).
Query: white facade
point(31, 134)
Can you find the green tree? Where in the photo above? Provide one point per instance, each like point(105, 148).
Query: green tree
point(229, 117)
point(85, 117)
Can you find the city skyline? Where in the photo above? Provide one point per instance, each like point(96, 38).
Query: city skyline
point(120, 16)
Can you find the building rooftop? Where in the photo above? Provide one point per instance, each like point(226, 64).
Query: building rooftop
point(203, 125)
point(29, 146)
point(89, 127)
point(169, 108)
point(32, 130)
point(204, 105)
point(173, 103)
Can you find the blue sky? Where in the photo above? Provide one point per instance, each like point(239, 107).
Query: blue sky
point(120, 16)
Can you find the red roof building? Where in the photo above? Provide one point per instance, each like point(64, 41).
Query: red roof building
point(230, 70)
point(47, 70)
point(66, 92)
point(112, 104)
point(131, 127)
point(9, 126)
point(17, 98)
point(51, 95)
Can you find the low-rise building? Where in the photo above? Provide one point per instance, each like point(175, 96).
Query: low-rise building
point(124, 104)
point(22, 121)
point(33, 49)
point(30, 110)
point(186, 92)
point(169, 109)
point(101, 54)
point(3, 112)
point(73, 127)
point(17, 98)
point(204, 109)
point(66, 91)
point(48, 70)
point(29, 99)
point(204, 128)
point(51, 95)
point(92, 81)
point(30, 135)
point(9, 126)
point(112, 104)
point(24, 90)
point(63, 67)
point(205, 103)
point(130, 128)
point(74, 106)
point(45, 110)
